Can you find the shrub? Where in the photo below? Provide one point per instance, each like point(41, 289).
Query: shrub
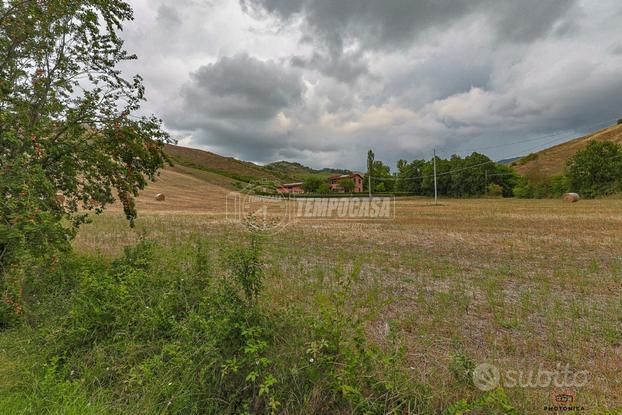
point(494, 190)
point(620, 121)
point(157, 329)
point(347, 185)
point(324, 189)
point(528, 158)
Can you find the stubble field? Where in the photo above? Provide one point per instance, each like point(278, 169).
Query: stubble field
point(525, 285)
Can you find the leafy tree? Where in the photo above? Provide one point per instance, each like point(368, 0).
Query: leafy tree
point(620, 121)
point(323, 189)
point(409, 177)
point(66, 122)
point(382, 172)
point(370, 161)
point(596, 170)
point(312, 183)
point(347, 185)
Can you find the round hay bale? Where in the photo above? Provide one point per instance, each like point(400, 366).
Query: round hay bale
point(160, 197)
point(571, 197)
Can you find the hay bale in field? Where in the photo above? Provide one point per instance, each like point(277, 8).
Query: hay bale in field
point(160, 197)
point(571, 197)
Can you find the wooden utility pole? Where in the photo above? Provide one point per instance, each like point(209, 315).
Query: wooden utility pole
point(435, 189)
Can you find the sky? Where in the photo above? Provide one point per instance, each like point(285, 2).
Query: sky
point(322, 81)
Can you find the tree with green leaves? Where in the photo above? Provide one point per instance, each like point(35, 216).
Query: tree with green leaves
point(596, 170)
point(70, 140)
point(347, 185)
point(312, 183)
point(323, 189)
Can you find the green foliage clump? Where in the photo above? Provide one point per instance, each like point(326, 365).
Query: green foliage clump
point(190, 331)
point(494, 190)
point(70, 142)
point(538, 187)
point(620, 121)
point(347, 185)
point(456, 176)
point(323, 189)
point(596, 170)
point(312, 183)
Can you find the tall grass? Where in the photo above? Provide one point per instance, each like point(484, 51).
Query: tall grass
point(191, 330)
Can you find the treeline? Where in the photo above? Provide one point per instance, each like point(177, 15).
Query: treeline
point(473, 175)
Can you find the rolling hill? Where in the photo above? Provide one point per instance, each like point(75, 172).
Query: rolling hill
point(551, 161)
point(297, 171)
point(229, 167)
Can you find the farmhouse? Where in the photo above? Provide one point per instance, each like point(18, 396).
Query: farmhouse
point(333, 181)
point(290, 188)
point(335, 185)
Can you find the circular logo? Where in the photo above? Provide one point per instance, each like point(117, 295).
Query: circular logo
point(486, 377)
point(259, 206)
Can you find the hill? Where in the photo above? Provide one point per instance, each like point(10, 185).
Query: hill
point(551, 161)
point(242, 171)
point(297, 171)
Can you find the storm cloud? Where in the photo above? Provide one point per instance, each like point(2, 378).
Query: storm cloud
point(321, 81)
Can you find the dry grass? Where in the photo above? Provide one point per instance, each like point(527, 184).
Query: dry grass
point(520, 283)
point(552, 161)
point(216, 163)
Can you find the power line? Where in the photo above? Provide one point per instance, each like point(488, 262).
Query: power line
point(475, 165)
point(538, 138)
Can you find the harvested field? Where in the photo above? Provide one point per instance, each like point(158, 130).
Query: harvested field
point(521, 284)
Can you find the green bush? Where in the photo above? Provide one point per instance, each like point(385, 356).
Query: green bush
point(188, 331)
point(620, 121)
point(494, 190)
point(324, 189)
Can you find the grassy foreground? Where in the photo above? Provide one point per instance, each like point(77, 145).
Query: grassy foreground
point(324, 317)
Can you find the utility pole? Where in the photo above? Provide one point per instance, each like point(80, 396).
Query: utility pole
point(435, 189)
point(486, 184)
point(369, 183)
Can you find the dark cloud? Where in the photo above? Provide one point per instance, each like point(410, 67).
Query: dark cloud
point(395, 23)
point(168, 16)
point(241, 87)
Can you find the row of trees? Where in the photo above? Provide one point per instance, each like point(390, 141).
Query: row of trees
point(473, 175)
point(592, 172)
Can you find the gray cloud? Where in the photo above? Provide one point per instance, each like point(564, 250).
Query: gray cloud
point(320, 81)
point(241, 87)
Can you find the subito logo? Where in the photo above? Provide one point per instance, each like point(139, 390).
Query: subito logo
point(486, 377)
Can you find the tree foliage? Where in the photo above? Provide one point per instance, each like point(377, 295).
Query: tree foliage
point(66, 121)
point(347, 185)
point(312, 183)
point(456, 176)
point(596, 170)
